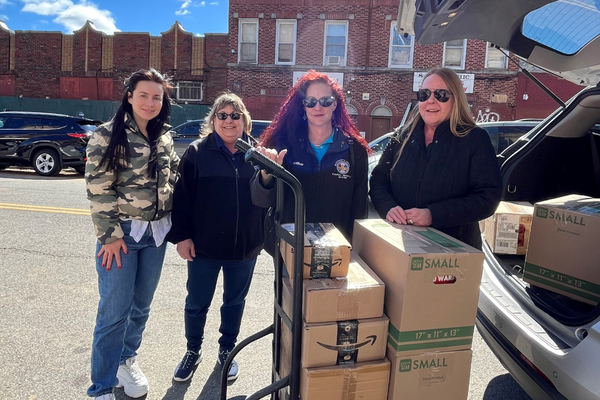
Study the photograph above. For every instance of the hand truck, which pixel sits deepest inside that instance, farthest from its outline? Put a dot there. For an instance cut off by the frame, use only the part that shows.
(283, 177)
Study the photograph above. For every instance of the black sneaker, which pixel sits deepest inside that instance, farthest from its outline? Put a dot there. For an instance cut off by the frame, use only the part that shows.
(186, 368)
(234, 370)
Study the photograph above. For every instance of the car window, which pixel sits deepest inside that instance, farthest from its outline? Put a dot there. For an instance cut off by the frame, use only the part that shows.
(379, 146)
(493, 132)
(3, 121)
(258, 128)
(507, 135)
(192, 130)
(565, 26)
(24, 123)
(53, 124)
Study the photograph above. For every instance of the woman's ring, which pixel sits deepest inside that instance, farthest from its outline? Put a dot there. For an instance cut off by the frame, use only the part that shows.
(410, 222)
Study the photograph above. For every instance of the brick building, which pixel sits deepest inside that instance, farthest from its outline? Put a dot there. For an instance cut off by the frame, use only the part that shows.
(271, 42)
(269, 45)
(90, 64)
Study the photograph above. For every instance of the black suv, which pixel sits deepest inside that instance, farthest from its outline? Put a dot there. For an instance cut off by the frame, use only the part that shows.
(46, 142)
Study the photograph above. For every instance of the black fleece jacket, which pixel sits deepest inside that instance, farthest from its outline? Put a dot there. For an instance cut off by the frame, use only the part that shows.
(456, 178)
(212, 205)
(334, 191)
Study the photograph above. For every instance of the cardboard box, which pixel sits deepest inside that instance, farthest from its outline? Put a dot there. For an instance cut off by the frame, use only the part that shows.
(326, 251)
(564, 254)
(341, 343)
(357, 296)
(508, 230)
(437, 375)
(368, 380)
(431, 283)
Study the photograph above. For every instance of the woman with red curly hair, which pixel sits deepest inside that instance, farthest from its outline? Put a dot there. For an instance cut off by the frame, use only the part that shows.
(313, 137)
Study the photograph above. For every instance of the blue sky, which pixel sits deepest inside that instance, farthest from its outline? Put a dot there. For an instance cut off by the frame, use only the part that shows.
(154, 16)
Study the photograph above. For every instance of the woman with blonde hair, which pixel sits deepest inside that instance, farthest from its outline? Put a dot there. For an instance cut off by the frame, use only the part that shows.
(440, 169)
(216, 227)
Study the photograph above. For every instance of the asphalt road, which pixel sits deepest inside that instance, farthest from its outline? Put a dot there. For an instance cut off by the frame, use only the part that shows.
(48, 300)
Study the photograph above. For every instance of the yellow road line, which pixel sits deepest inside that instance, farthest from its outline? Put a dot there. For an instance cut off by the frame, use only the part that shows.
(58, 210)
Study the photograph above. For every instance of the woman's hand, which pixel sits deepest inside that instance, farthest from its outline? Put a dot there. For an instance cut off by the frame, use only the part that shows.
(419, 217)
(186, 249)
(397, 215)
(108, 251)
(272, 155)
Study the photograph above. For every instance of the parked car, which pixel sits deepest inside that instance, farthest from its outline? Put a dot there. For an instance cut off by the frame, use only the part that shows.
(548, 342)
(46, 142)
(189, 131)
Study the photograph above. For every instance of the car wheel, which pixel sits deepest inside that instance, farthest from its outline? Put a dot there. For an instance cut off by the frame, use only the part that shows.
(46, 163)
(80, 170)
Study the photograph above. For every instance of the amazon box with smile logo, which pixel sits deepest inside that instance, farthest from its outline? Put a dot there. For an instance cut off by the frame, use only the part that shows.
(563, 254)
(326, 251)
(341, 343)
(431, 284)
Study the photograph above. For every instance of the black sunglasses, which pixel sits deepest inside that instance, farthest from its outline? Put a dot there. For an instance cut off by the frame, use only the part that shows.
(441, 95)
(223, 116)
(326, 101)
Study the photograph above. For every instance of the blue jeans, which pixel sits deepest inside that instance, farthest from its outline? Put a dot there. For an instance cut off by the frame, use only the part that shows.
(125, 297)
(201, 284)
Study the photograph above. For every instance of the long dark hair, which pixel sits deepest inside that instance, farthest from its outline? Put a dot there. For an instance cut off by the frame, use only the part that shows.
(117, 154)
(288, 125)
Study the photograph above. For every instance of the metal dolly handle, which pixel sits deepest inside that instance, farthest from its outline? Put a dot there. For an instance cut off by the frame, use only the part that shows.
(295, 323)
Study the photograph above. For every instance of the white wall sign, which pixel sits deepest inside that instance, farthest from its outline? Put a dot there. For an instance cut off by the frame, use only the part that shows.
(467, 80)
(334, 75)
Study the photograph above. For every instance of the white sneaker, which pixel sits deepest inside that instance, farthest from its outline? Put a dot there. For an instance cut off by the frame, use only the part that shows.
(132, 379)
(108, 396)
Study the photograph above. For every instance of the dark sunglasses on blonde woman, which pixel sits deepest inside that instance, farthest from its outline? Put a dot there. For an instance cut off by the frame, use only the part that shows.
(223, 116)
(441, 95)
(311, 102)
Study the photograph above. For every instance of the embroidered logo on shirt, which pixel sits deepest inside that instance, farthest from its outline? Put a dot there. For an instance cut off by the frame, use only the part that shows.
(298, 163)
(343, 166)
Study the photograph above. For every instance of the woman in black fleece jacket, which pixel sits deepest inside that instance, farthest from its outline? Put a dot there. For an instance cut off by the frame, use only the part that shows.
(440, 170)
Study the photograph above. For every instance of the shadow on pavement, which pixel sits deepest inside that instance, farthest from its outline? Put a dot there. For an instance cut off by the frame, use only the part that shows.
(504, 387)
(29, 173)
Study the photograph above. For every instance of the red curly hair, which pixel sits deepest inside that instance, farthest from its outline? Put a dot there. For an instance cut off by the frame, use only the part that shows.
(288, 124)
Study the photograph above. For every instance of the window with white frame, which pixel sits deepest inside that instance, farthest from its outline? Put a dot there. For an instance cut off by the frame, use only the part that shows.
(495, 58)
(248, 41)
(401, 49)
(188, 90)
(285, 49)
(454, 53)
(336, 43)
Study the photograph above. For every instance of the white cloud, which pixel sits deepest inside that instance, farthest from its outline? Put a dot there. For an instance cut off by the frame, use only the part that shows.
(183, 10)
(46, 7)
(5, 3)
(73, 16)
(214, 3)
(3, 17)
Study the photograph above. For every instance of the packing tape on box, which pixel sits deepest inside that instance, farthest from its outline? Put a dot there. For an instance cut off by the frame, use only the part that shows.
(323, 245)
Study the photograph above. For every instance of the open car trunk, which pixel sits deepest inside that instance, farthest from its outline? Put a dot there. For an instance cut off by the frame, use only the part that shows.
(557, 158)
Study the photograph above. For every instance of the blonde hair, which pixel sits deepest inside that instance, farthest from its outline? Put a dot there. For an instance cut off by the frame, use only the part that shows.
(224, 100)
(460, 115)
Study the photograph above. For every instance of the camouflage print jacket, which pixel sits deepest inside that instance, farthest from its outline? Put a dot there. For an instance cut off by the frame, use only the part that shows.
(131, 193)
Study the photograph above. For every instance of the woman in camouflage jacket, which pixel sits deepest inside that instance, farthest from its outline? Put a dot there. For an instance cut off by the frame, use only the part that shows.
(130, 175)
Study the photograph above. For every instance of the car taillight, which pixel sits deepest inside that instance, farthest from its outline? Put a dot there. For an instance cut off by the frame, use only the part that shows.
(77, 135)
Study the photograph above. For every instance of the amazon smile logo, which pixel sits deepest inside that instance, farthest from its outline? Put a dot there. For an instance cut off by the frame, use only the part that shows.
(349, 346)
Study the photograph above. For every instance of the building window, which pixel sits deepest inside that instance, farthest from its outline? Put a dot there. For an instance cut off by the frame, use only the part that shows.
(248, 41)
(401, 49)
(336, 42)
(454, 53)
(495, 58)
(285, 50)
(188, 90)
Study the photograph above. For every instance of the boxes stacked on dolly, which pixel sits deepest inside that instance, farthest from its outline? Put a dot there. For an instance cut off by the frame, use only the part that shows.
(563, 254)
(344, 330)
(432, 288)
